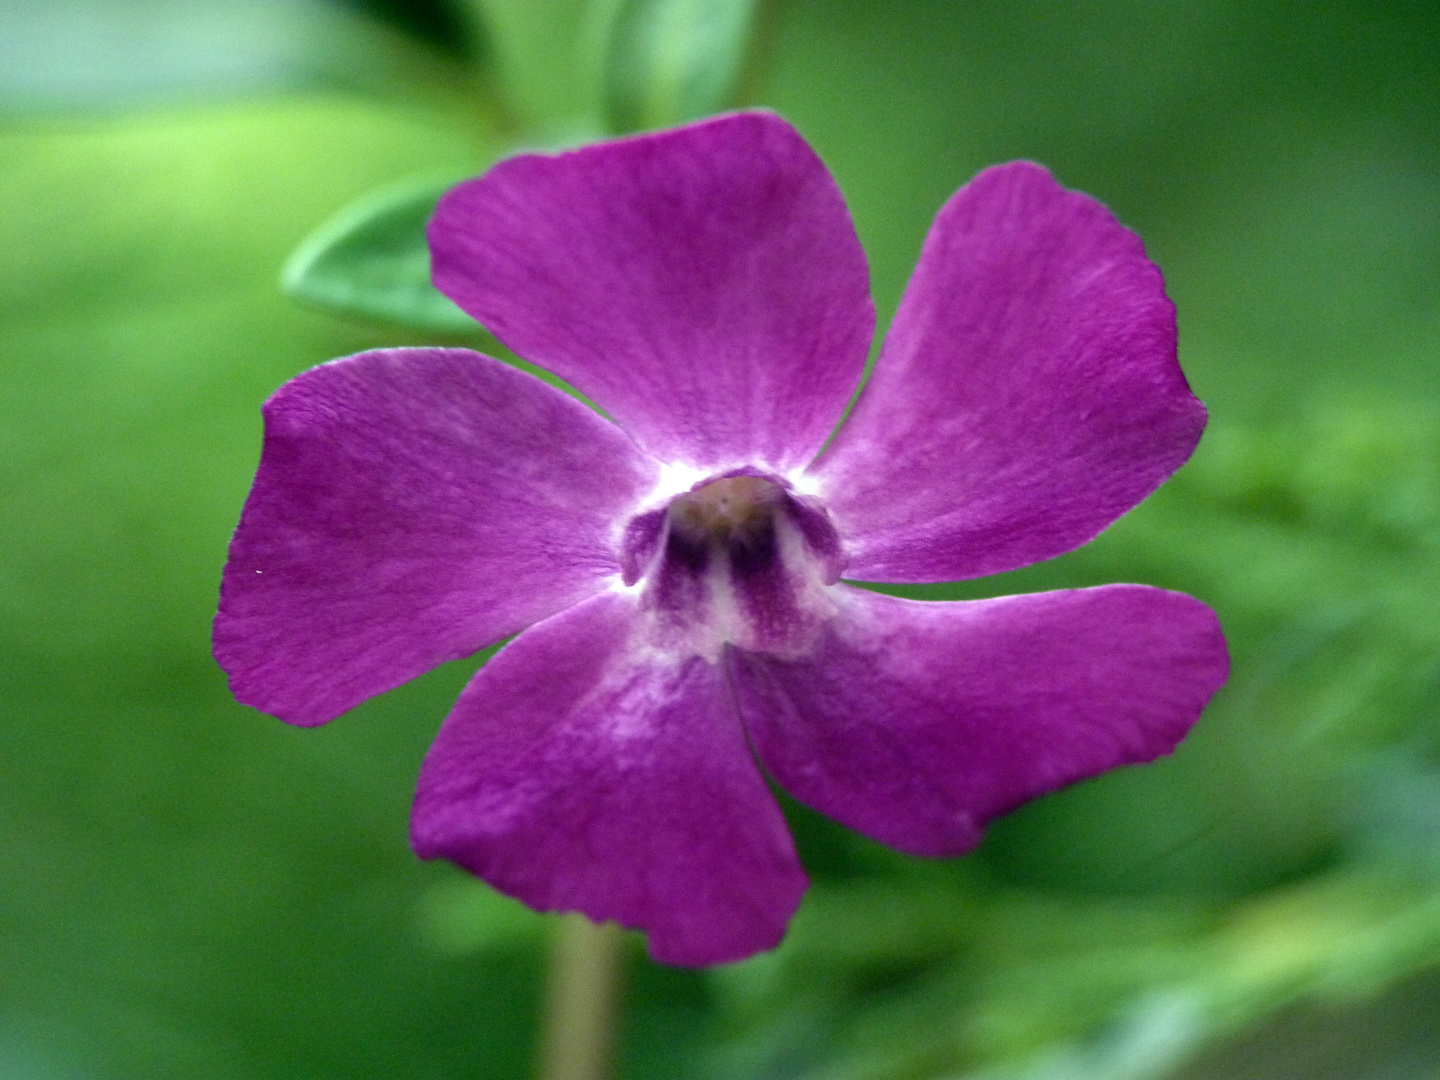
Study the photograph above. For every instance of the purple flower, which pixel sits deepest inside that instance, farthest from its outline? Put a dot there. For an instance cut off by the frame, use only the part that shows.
(673, 571)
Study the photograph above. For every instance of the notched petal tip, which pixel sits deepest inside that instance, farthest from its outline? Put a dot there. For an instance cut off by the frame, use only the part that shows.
(411, 507)
(916, 723)
(704, 285)
(583, 771)
(1028, 393)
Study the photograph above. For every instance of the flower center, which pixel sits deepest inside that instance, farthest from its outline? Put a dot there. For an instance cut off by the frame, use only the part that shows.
(735, 561)
(724, 506)
(733, 517)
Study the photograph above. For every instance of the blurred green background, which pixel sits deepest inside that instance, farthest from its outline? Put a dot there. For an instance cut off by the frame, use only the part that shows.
(191, 889)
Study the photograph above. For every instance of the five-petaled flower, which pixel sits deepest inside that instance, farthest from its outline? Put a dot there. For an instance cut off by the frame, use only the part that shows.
(673, 568)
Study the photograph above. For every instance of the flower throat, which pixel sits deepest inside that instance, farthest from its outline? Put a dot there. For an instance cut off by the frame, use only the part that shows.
(738, 561)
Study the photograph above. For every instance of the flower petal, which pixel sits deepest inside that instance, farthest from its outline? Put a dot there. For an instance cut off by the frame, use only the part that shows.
(704, 285)
(411, 507)
(1028, 393)
(582, 770)
(915, 723)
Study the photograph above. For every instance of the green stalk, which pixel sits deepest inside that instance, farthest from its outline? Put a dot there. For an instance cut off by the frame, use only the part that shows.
(586, 965)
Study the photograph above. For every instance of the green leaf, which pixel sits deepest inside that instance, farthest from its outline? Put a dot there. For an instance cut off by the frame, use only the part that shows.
(674, 60)
(371, 259)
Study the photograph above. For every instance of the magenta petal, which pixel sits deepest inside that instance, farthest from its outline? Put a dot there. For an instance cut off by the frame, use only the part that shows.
(584, 770)
(704, 286)
(1028, 393)
(916, 723)
(411, 507)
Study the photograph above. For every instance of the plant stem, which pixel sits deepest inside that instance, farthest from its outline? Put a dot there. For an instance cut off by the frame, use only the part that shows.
(585, 969)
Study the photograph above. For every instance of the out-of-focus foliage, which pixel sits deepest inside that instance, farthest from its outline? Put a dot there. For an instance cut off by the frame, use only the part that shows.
(890, 981)
(549, 61)
(107, 56)
(190, 889)
(564, 72)
(569, 68)
(673, 60)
